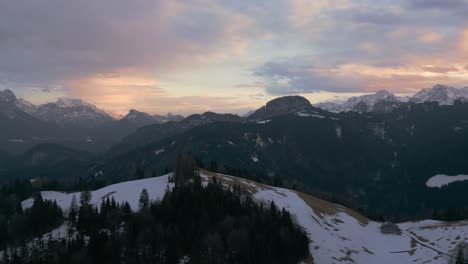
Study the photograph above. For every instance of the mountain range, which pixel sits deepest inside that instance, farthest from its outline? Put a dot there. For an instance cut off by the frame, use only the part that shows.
(384, 101)
(375, 161)
(71, 122)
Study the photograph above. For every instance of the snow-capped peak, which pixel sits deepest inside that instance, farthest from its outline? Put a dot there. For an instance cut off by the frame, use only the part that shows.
(134, 114)
(71, 102)
(26, 106)
(443, 94)
(362, 103)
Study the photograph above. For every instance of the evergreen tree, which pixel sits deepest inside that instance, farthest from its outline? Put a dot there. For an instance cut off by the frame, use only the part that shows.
(460, 257)
(143, 202)
(85, 198)
(73, 209)
(185, 169)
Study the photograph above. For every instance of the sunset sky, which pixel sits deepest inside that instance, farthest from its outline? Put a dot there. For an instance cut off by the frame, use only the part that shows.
(227, 56)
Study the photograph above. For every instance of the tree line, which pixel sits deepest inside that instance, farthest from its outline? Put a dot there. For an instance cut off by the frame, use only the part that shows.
(190, 224)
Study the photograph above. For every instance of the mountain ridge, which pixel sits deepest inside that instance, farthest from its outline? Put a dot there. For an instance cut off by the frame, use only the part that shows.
(334, 231)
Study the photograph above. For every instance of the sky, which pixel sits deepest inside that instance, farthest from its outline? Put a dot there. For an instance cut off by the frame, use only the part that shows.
(192, 56)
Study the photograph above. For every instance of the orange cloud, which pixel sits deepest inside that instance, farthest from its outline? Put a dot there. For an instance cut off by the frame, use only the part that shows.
(464, 41)
(431, 37)
(129, 89)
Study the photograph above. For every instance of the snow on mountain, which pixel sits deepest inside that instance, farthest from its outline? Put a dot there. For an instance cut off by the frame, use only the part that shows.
(72, 111)
(26, 106)
(379, 101)
(329, 106)
(121, 192)
(443, 94)
(167, 118)
(337, 234)
(441, 180)
(138, 117)
(7, 96)
(384, 101)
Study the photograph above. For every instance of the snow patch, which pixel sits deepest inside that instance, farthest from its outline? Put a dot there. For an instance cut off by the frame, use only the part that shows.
(121, 192)
(339, 132)
(159, 151)
(441, 180)
(16, 140)
(263, 122)
(254, 158)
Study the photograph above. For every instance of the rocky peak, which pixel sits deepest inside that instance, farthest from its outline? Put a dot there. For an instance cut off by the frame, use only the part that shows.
(443, 94)
(137, 115)
(7, 96)
(281, 106)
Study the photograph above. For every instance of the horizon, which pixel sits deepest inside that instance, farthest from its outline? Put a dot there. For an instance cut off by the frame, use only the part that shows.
(119, 115)
(195, 56)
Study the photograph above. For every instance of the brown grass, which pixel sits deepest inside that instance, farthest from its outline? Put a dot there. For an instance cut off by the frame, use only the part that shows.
(321, 207)
(233, 181)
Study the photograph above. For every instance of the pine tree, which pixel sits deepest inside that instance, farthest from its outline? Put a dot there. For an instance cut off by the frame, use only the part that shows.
(85, 198)
(143, 202)
(460, 257)
(73, 209)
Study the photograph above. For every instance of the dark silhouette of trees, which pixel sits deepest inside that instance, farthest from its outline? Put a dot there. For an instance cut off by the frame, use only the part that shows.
(200, 224)
(460, 257)
(185, 169)
(144, 201)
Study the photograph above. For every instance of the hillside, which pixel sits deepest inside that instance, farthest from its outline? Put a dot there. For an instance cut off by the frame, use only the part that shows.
(381, 160)
(337, 234)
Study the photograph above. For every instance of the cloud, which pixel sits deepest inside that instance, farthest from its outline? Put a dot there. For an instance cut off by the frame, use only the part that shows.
(431, 37)
(119, 53)
(290, 78)
(378, 17)
(55, 40)
(440, 69)
(438, 4)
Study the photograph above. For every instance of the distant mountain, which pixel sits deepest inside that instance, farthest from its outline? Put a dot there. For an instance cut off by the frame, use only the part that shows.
(72, 112)
(381, 101)
(281, 106)
(152, 133)
(138, 118)
(26, 106)
(167, 118)
(20, 130)
(297, 105)
(380, 160)
(442, 94)
(71, 122)
(248, 113)
(48, 160)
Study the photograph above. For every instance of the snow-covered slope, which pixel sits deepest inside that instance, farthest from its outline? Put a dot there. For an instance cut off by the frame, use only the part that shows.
(384, 101)
(379, 101)
(26, 106)
(138, 118)
(337, 234)
(72, 111)
(167, 118)
(442, 180)
(8, 97)
(443, 94)
(121, 192)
